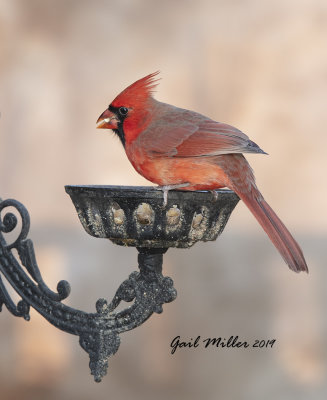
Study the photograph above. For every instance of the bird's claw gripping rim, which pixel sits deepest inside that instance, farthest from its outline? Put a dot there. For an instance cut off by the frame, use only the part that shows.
(165, 189)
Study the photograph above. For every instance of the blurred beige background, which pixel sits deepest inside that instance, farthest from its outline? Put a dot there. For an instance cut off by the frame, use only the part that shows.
(258, 65)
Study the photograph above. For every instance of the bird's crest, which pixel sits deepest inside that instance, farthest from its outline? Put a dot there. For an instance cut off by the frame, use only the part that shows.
(138, 92)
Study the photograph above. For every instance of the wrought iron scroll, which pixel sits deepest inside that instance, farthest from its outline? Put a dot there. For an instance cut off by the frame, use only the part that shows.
(98, 332)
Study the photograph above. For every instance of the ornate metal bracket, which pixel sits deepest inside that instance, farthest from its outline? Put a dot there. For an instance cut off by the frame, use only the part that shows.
(98, 332)
(123, 216)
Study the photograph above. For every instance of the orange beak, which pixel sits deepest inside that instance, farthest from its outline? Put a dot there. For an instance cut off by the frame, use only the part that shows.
(107, 120)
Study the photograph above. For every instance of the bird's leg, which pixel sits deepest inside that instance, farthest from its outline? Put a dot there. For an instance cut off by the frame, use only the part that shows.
(165, 189)
(215, 195)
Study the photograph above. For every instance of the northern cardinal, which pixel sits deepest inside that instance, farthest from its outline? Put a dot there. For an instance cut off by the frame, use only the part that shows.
(176, 148)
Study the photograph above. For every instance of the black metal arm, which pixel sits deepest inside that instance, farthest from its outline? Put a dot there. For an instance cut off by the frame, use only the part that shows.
(98, 332)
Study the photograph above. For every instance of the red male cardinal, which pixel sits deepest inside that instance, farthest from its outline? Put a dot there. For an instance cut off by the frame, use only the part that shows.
(178, 148)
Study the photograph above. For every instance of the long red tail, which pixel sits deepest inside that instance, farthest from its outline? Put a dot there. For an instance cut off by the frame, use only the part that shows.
(275, 229)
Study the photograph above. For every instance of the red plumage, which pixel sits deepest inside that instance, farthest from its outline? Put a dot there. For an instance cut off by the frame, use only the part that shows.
(172, 146)
(138, 93)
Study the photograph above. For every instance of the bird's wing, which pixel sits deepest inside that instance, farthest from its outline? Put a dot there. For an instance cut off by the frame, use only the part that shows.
(189, 134)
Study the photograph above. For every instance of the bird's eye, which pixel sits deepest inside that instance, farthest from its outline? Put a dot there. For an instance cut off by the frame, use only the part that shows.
(123, 110)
